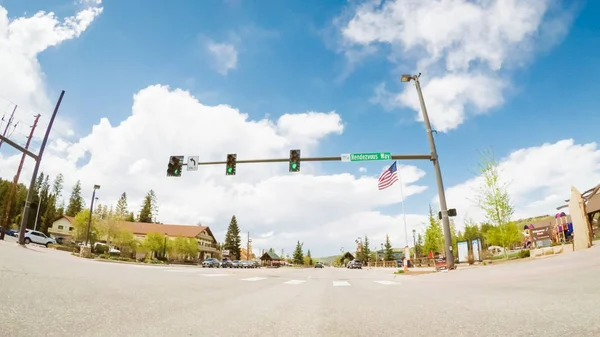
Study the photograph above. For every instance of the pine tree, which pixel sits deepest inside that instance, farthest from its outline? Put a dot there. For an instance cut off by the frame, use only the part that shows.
(419, 247)
(310, 260)
(434, 237)
(388, 252)
(153, 206)
(121, 212)
(57, 187)
(76, 202)
(50, 214)
(233, 241)
(130, 217)
(146, 211)
(366, 250)
(298, 254)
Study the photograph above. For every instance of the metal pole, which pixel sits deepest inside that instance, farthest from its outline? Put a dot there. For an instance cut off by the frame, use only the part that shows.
(440, 183)
(35, 172)
(37, 214)
(13, 187)
(402, 204)
(87, 234)
(415, 243)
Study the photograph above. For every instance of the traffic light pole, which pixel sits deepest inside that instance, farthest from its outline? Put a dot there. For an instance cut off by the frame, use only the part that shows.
(303, 159)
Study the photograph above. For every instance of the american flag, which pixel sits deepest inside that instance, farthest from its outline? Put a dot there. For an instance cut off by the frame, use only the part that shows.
(388, 177)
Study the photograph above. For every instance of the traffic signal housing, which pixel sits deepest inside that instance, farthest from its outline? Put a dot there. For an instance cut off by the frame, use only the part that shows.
(231, 163)
(174, 167)
(451, 213)
(294, 160)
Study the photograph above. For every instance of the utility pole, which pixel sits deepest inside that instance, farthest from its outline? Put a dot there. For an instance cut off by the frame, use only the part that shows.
(38, 161)
(438, 172)
(10, 119)
(5, 222)
(248, 254)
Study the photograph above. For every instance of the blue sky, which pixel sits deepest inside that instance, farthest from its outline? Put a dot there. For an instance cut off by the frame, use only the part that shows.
(289, 62)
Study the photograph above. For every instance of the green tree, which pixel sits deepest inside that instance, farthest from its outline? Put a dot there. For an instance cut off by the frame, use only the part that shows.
(155, 243)
(419, 246)
(365, 252)
(388, 252)
(146, 213)
(233, 241)
(495, 202)
(504, 236)
(125, 241)
(298, 255)
(434, 236)
(81, 224)
(271, 250)
(185, 249)
(57, 187)
(308, 259)
(49, 214)
(130, 217)
(121, 211)
(76, 202)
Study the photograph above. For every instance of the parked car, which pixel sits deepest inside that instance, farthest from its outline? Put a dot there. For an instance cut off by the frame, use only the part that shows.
(211, 263)
(37, 237)
(319, 265)
(226, 263)
(354, 264)
(236, 264)
(10, 232)
(249, 264)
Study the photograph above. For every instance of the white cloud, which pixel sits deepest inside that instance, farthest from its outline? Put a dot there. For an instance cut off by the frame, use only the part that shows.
(460, 46)
(539, 179)
(225, 56)
(362, 169)
(21, 41)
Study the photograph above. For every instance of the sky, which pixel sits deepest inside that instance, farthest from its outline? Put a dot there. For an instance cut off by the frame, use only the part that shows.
(147, 80)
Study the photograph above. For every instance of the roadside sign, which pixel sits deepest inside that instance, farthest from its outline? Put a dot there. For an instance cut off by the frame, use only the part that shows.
(541, 233)
(225, 251)
(192, 164)
(348, 157)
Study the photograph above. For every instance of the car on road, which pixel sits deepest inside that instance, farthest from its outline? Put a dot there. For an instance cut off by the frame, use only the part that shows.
(37, 237)
(226, 263)
(248, 264)
(354, 264)
(211, 263)
(236, 264)
(10, 232)
(319, 265)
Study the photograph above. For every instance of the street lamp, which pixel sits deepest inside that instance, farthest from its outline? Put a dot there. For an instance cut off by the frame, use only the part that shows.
(415, 242)
(87, 235)
(438, 172)
(382, 253)
(165, 247)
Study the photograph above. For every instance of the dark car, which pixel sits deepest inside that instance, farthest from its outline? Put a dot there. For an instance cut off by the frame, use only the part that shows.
(354, 264)
(226, 263)
(319, 265)
(211, 263)
(10, 232)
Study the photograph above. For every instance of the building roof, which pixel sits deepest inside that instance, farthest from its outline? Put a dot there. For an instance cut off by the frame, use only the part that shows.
(270, 256)
(143, 228)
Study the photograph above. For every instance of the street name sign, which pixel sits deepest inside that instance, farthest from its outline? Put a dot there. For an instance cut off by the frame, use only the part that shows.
(348, 157)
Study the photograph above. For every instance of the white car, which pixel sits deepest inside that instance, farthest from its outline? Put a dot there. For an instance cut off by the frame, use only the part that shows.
(37, 237)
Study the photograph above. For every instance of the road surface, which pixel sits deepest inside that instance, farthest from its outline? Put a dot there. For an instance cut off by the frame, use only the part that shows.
(50, 293)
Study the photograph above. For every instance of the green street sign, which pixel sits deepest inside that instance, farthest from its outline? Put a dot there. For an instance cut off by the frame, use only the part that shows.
(348, 157)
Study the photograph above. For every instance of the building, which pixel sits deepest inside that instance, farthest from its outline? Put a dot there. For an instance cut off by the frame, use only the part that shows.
(270, 259)
(207, 244)
(63, 228)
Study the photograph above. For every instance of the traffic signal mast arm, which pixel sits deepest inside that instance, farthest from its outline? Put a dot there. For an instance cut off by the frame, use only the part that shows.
(337, 158)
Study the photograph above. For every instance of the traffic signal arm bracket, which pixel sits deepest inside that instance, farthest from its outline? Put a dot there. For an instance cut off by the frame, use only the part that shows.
(338, 158)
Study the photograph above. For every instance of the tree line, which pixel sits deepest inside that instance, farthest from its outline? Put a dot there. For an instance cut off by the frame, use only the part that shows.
(47, 197)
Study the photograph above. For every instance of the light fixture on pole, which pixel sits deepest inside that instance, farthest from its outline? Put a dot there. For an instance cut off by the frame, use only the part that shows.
(382, 252)
(87, 235)
(415, 242)
(438, 172)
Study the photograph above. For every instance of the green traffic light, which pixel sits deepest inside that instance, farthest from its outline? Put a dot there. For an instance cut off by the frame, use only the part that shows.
(176, 171)
(229, 169)
(294, 166)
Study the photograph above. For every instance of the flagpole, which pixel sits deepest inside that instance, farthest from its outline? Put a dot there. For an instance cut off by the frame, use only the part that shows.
(402, 203)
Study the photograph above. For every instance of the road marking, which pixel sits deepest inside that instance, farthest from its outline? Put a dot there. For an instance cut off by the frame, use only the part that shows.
(209, 275)
(253, 279)
(341, 284)
(182, 270)
(295, 282)
(387, 283)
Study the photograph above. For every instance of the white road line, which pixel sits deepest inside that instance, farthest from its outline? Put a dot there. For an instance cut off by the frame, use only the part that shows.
(253, 279)
(182, 270)
(210, 275)
(341, 284)
(387, 283)
(295, 282)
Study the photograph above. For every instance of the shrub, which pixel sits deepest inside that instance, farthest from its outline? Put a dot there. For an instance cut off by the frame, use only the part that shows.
(101, 249)
(524, 254)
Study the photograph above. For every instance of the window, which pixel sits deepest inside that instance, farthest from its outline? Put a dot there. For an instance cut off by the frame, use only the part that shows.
(70, 229)
(60, 227)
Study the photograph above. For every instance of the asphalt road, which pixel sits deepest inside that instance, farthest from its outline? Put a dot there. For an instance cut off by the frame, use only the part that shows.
(50, 293)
